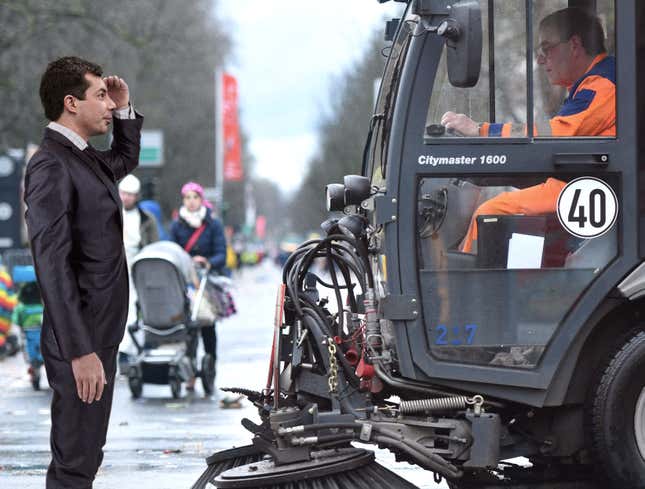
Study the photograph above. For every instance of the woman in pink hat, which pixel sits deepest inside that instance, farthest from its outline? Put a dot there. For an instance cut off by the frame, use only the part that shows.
(202, 236)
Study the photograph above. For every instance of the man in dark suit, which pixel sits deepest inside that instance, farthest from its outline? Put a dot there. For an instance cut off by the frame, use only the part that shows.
(75, 229)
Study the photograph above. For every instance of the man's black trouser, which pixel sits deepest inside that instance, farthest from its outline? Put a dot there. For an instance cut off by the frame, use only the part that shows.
(78, 429)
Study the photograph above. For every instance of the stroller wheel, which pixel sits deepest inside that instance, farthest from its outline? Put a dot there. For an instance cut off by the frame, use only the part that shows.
(175, 387)
(135, 382)
(208, 374)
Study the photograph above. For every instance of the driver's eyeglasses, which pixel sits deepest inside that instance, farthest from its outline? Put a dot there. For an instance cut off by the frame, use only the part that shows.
(544, 50)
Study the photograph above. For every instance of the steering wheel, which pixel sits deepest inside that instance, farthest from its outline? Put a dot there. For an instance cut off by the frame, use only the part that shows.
(438, 130)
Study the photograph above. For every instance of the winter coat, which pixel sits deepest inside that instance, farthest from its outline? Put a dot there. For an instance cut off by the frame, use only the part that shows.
(211, 243)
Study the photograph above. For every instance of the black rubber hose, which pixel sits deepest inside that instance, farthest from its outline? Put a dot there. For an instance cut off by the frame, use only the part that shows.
(388, 437)
(331, 286)
(318, 336)
(360, 276)
(335, 438)
(298, 264)
(327, 333)
(444, 468)
(289, 280)
(420, 387)
(309, 259)
(340, 426)
(350, 376)
(292, 281)
(361, 248)
(350, 290)
(339, 299)
(352, 252)
(289, 263)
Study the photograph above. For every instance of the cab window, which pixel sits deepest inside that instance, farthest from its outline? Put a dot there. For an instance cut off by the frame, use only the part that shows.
(504, 255)
(572, 70)
(496, 284)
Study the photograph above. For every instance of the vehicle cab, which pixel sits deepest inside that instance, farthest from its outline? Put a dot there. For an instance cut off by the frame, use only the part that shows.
(533, 308)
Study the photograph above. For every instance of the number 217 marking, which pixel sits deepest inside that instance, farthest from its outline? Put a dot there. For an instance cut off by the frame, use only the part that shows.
(456, 335)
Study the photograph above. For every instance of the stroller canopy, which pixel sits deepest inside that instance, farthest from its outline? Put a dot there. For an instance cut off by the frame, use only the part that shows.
(161, 273)
(171, 252)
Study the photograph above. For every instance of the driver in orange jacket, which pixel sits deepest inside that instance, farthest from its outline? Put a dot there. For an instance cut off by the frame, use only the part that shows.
(572, 52)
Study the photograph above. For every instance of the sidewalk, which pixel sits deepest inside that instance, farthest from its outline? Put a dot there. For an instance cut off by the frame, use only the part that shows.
(13, 375)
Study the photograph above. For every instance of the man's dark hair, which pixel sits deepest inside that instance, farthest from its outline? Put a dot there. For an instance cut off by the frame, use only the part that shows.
(574, 21)
(65, 76)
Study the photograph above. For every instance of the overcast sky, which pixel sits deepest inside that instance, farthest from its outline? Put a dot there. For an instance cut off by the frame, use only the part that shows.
(286, 55)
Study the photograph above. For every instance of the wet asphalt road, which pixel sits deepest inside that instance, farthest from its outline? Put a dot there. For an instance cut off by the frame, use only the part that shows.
(159, 442)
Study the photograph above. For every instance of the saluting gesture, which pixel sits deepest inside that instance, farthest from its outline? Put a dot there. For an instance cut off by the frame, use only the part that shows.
(118, 91)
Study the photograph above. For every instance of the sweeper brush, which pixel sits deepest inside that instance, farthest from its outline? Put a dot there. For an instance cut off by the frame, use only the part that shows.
(341, 468)
(227, 459)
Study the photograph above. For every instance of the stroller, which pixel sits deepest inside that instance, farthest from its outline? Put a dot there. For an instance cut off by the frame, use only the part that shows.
(162, 274)
(28, 315)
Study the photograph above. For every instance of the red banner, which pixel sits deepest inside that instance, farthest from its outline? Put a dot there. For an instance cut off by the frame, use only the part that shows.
(261, 227)
(233, 171)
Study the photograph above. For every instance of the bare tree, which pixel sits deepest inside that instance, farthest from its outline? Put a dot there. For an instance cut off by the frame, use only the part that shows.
(342, 131)
(167, 51)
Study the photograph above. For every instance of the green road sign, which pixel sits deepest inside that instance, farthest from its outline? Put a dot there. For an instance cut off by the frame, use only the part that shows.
(151, 148)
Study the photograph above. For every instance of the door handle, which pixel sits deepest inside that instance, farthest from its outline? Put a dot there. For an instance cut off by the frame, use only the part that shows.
(596, 160)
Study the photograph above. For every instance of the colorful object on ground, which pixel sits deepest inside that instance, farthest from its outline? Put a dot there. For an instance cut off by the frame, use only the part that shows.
(7, 303)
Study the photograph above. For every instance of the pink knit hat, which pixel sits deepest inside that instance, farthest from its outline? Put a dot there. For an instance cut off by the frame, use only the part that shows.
(192, 187)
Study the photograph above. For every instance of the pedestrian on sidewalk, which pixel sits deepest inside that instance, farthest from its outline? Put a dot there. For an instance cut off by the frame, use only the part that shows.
(28, 316)
(75, 227)
(202, 236)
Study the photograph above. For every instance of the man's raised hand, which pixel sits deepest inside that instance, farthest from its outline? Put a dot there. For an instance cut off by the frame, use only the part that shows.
(118, 91)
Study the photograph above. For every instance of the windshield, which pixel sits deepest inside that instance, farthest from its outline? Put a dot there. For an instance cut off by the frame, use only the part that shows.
(381, 122)
(570, 76)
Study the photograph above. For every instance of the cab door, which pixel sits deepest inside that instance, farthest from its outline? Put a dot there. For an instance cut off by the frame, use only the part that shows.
(504, 308)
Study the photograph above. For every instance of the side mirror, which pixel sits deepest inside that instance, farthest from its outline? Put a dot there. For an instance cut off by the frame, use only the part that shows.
(463, 33)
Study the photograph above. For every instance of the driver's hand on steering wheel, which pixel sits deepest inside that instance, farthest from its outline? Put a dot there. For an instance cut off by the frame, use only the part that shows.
(460, 123)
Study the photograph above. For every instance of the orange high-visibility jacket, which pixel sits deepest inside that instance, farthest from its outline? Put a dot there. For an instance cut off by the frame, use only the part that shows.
(589, 110)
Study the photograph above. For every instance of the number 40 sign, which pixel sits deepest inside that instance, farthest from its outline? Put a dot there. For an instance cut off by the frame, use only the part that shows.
(587, 207)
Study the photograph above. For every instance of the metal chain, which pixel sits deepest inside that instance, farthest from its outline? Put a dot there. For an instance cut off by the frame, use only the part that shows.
(333, 366)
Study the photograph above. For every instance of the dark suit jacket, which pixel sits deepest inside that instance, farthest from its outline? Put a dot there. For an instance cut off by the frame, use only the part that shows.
(75, 226)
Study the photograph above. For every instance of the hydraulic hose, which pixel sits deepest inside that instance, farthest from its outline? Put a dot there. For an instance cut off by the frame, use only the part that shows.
(303, 248)
(350, 376)
(295, 275)
(359, 247)
(300, 261)
(385, 436)
(418, 386)
(363, 259)
(352, 266)
(422, 458)
(339, 299)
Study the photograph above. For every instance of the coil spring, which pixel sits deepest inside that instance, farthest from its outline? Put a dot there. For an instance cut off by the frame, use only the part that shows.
(439, 404)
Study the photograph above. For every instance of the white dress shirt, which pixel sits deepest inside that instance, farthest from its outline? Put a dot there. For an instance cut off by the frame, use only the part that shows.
(74, 137)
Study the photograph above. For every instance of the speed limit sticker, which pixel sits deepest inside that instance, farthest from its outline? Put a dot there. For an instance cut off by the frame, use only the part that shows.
(587, 207)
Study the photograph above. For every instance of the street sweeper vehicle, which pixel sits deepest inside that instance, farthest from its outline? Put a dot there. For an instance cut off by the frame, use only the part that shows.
(485, 315)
